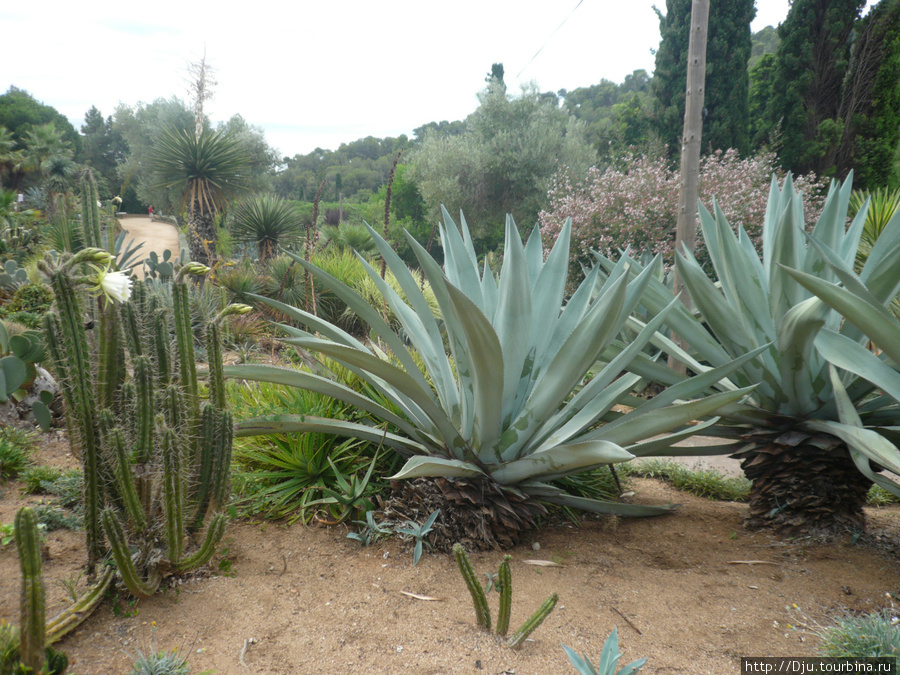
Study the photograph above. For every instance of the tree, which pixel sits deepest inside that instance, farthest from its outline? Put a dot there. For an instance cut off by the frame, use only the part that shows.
(142, 127)
(727, 118)
(870, 103)
(10, 157)
(812, 60)
(207, 170)
(502, 163)
(20, 112)
(104, 149)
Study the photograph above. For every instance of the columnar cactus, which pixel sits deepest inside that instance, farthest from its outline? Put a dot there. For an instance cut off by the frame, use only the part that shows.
(155, 459)
(32, 632)
(504, 585)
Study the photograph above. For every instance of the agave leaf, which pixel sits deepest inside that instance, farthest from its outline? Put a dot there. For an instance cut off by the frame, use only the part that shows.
(800, 363)
(369, 314)
(461, 263)
(486, 359)
(421, 465)
(400, 381)
(632, 428)
(566, 369)
(301, 379)
(319, 325)
(853, 357)
(873, 320)
(420, 325)
(601, 506)
(559, 461)
(512, 320)
(288, 423)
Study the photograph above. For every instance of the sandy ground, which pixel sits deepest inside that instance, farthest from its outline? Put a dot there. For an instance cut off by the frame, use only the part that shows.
(156, 235)
(692, 591)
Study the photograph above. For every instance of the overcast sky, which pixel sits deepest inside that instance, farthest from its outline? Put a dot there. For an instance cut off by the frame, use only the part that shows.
(317, 74)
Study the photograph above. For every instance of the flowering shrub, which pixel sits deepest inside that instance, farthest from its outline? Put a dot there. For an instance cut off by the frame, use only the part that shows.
(636, 204)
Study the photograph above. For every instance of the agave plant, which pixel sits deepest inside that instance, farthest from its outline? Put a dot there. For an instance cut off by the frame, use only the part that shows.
(804, 476)
(860, 306)
(507, 411)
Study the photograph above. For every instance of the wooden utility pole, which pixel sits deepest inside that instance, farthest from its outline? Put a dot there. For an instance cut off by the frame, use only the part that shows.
(686, 227)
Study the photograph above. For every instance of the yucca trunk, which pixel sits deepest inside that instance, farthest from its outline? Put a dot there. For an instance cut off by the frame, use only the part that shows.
(803, 485)
(202, 235)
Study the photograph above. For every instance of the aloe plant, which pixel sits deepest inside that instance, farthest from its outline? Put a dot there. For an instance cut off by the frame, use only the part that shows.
(803, 473)
(508, 407)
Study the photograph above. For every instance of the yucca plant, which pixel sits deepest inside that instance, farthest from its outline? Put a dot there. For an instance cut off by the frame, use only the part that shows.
(804, 477)
(497, 420)
(267, 222)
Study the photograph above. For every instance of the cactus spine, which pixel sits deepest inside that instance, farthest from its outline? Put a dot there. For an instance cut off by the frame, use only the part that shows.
(504, 583)
(32, 631)
(482, 612)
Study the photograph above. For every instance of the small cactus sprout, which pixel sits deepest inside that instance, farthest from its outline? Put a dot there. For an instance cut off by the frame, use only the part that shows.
(504, 585)
(533, 622)
(33, 629)
(482, 612)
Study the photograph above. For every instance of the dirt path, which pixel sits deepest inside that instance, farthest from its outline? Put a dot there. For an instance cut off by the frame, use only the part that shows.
(156, 236)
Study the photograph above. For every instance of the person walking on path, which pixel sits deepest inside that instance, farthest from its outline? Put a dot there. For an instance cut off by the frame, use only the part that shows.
(150, 211)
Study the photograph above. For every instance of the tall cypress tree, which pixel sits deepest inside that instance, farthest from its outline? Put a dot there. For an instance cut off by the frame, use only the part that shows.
(726, 124)
(805, 101)
(870, 105)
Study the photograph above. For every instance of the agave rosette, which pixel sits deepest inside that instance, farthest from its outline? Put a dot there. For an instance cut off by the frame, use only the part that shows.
(759, 301)
(510, 401)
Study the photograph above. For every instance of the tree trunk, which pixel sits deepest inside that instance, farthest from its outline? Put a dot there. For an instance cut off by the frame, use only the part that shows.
(686, 226)
(202, 236)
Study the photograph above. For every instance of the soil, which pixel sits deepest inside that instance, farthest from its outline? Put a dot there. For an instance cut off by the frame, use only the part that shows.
(692, 591)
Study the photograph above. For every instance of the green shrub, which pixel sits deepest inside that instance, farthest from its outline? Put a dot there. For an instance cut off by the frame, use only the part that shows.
(868, 635)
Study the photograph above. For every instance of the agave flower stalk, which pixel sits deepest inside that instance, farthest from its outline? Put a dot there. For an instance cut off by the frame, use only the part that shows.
(506, 405)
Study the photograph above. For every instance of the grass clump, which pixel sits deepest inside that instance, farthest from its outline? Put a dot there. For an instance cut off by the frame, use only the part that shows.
(703, 483)
(867, 635)
(16, 447)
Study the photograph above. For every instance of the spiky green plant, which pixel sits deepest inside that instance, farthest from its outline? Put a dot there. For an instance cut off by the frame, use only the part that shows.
(209, 170)
(504, 583)
(267, 222)
(26, 650)
(155, 458)
(804, 476)
(508, 410)
(609, 659)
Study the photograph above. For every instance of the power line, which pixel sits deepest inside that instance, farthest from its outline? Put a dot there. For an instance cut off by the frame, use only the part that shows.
(549, 38)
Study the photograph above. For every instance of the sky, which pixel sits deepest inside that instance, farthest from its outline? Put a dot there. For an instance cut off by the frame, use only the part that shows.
(318, 74)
